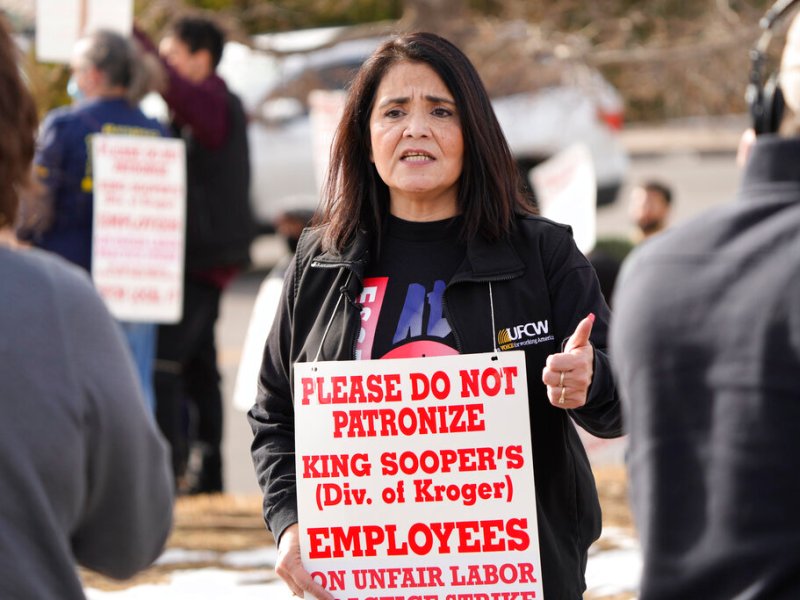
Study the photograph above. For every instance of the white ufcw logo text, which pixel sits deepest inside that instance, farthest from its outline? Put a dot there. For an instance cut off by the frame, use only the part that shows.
(512, 334)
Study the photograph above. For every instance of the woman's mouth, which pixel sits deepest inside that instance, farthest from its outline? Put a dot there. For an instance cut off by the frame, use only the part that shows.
(416, 156)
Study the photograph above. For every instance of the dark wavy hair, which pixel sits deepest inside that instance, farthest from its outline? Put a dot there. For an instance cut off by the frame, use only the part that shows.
(200, 33)
(490, 189)
(653, 185)
(18, 121)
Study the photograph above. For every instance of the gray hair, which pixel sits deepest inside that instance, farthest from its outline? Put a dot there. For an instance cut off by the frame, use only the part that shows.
(122, 62)
(111, 54)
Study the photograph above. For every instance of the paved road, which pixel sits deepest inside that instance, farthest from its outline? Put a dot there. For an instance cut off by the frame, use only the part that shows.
(700, 180)
(231, 329)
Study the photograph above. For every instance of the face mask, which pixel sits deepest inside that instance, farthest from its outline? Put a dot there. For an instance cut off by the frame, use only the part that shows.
(73, 90)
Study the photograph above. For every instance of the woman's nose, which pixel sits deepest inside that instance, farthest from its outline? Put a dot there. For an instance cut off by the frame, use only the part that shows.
(417, 124)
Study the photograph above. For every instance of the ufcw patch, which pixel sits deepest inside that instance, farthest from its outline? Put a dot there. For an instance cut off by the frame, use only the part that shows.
(527, 334)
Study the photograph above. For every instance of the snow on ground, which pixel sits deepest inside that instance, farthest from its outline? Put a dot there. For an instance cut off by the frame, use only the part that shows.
(616, 571)
(243, 559)
(609, 572)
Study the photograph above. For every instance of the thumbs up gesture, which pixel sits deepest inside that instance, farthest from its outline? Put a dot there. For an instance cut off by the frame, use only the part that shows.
(568, 374)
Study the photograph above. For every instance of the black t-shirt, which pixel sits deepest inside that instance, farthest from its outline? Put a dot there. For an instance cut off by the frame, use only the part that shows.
(403, 314)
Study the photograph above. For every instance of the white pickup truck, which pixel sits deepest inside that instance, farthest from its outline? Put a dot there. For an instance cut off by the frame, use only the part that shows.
(275, 75)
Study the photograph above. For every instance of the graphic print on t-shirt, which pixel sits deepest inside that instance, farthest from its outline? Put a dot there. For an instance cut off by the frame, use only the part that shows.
(421, 328)
(371, 300)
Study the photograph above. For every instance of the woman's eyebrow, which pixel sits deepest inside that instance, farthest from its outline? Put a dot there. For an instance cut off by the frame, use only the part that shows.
(388, 101)
(405, 100)
(439, 99)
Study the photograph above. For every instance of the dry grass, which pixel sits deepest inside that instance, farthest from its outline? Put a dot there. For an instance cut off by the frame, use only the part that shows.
(612, 486)
(220, 523)
(217, 523)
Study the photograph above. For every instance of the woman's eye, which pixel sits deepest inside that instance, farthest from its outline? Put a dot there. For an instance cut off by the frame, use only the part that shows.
(442, 112)
(394, 113)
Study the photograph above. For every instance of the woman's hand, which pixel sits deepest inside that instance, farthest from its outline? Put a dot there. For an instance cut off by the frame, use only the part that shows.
(289, 566)
(568, 374)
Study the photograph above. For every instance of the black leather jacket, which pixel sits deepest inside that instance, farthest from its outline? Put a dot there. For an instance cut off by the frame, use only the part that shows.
(536, 275)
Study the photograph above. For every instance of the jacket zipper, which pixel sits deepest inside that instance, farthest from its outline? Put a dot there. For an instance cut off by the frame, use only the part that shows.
(349, 266)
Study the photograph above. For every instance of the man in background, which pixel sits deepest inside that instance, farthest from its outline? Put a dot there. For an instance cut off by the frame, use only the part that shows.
(648, 208)
(106, 71)
(707, 357)
(212, 122)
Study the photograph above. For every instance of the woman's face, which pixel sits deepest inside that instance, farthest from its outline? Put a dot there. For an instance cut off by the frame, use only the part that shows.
(417, 146)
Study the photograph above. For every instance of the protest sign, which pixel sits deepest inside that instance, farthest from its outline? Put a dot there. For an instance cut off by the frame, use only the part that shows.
(261, 318)
(60, 23)
(138, 230)
(415, 478)
(325, 112)
(566, 191)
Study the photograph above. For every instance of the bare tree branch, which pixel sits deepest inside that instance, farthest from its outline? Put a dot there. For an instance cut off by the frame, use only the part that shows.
(741, 38)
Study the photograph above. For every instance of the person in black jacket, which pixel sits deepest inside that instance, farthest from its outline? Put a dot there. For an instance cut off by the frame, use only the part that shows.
(707, 358)
(423, 200)
(219, 229)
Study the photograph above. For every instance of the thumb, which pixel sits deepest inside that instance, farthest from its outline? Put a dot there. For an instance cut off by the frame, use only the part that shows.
(580, 336)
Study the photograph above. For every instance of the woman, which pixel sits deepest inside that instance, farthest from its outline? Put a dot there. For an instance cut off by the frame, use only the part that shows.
(423, 202)
(85, 472)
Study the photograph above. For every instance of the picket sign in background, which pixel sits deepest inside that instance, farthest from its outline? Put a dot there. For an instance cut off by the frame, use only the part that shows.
(566, 190)
(60, 23)
(139, 225)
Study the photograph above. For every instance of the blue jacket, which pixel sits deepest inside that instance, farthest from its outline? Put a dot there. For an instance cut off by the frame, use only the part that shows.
(63, 164)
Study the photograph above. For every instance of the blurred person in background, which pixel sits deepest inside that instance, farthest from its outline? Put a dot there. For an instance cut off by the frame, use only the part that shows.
(106, 75)
(220, 228)
(707, 358)
(423, 197)
(649, 207)
(84, 470)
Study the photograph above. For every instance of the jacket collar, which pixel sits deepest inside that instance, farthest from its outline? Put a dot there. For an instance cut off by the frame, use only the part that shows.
(355, 255)
(773, 159)
(485, 261)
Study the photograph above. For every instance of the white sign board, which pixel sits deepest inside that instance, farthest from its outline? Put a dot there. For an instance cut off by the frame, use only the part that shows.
(264, 310)
(60, 23)
(415, 476)
(138, 230)
(325, 112)
(566, 190)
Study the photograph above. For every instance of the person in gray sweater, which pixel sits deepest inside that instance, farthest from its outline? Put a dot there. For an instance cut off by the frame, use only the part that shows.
(85, 475)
